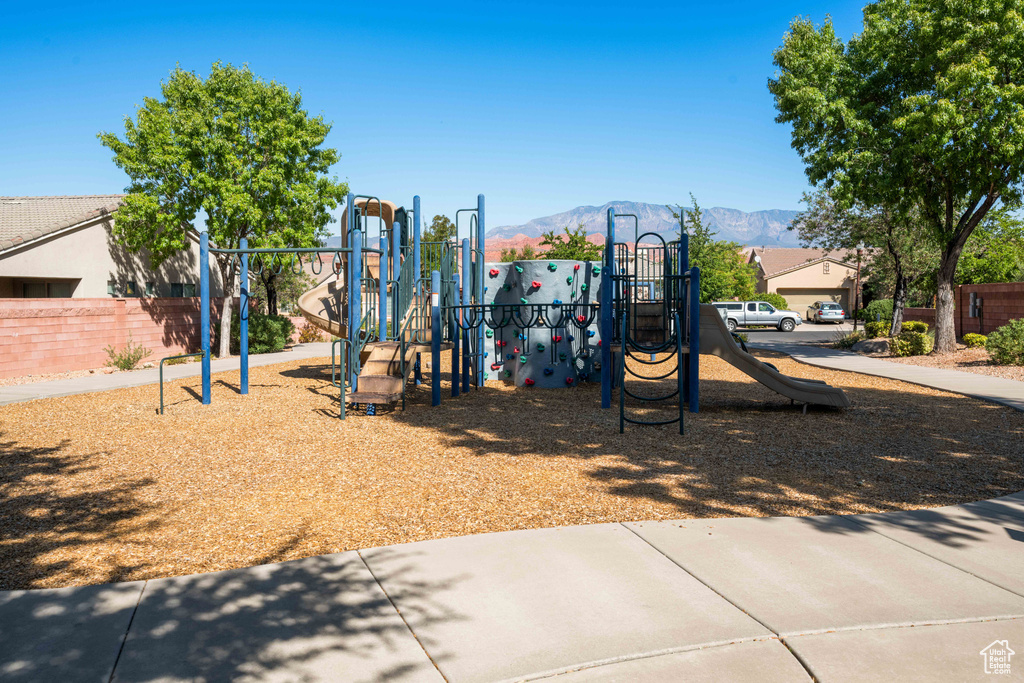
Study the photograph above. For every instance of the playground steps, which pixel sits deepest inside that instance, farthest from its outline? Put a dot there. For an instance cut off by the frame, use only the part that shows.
(650, 323)
(381, 379)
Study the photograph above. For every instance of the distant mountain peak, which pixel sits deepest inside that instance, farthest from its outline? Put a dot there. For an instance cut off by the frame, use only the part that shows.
(756, 228)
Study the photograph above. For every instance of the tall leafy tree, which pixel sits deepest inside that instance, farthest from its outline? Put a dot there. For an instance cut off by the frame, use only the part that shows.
(573, 246)
(441, 229)
(995, 253)
(902, 255)
(922, 109)
(724, 274)
(238, 148)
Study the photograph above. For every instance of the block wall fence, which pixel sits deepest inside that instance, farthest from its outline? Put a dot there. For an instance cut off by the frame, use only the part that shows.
(39, 336)
(1001, 303)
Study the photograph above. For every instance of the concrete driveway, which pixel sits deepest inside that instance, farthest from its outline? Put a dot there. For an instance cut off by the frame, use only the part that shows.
(808, 333)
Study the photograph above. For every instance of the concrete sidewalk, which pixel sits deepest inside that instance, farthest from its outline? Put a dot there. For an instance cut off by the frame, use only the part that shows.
(899, 596)
(996, 389)
(120, 380)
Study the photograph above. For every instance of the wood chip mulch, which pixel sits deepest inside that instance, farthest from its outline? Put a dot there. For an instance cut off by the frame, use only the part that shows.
(965, 360)
(98, 487)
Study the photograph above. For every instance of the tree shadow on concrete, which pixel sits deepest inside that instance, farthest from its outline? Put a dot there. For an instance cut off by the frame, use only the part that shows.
(45, 522)
(315, 618)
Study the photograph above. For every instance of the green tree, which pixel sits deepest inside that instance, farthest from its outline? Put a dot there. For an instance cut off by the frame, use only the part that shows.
(901, 258)
(527, 253)
(573, 246)
(275, 292)
(441, 232)
(921, 110)
(995, 253)
(238, 148)
(724, 273)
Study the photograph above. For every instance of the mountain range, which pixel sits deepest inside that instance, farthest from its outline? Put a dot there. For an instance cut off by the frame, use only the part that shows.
(756, 228)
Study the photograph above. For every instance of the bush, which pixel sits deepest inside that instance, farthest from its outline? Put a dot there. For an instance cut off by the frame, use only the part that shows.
(879, 309)
(776, 300)
(973, 340)
(128, 357)
(914, 326)
(911, 343)
(878, 329)
(310, 333)
(1006, 345)
(843, 340)
(267, 333)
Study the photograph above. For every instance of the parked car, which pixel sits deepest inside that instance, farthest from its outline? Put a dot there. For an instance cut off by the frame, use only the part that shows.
(825, 311)
(749, 313)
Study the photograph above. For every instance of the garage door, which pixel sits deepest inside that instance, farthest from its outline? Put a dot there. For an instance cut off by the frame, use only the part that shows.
(800, 299)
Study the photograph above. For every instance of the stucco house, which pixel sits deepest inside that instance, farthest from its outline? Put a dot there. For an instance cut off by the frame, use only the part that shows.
(804, 276)
(63, 247)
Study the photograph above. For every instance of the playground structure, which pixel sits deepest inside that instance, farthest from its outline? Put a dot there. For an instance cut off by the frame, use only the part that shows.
(538, 324)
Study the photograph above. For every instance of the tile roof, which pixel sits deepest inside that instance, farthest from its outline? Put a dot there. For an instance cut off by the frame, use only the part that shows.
(777, 260)
(23, 219)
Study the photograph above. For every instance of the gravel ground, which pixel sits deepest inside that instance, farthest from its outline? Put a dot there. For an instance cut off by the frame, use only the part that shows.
(97, 487)
(966, 360)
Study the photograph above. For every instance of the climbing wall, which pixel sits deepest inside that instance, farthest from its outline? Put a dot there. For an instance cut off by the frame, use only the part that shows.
(539, 356)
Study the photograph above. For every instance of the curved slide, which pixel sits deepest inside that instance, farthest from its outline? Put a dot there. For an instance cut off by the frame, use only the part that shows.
(325, 306)
(715, 339)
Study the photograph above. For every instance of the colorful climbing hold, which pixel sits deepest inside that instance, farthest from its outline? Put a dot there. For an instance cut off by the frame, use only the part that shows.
(596, 270)
(590, 333)
(568, 280)
(535, 284)
(598, 342)
(557, 338)
(495, 366)
(553, 266)
(584, 376)
(581, 319)
(509, 356)
(576, 267)
(583, 287)
(571, 338)
(515, 349)
(561, 356)
(519, 269)
(549, 371)
(507, 373)
(568, 380)
(557, 302)
(494, 272)
(489, 333)
(540, 347)
(528, 382)
(522, 359)
(506, 286)
(521, 336)
(522, 299)
(502, 343)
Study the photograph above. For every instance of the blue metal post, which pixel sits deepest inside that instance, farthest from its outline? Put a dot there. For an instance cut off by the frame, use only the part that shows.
(480, 241)
(455, 344)
(396, 272)
(467, 296)
(382, 289)
(416, 246)
(693, 369)
(435, 338)
(243, 320)
(681, 296)
(204, 310)
(606, 312)
(355, 286)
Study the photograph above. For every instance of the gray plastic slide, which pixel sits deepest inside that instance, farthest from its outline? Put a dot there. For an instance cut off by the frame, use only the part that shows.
(715, 339)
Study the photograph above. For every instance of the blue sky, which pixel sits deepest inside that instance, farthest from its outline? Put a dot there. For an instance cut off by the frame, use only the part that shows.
(540, 107)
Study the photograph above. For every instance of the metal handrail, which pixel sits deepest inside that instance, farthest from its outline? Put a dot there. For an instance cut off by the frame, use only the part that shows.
(184, 355)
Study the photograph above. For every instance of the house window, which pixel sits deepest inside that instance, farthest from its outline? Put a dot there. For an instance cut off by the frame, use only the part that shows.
(177, 289)
(150, 288)
(824, 267)
(188, 289)
(131, 288)
(111, 288)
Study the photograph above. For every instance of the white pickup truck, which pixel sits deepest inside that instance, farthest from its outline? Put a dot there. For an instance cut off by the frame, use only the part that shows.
(751, 313)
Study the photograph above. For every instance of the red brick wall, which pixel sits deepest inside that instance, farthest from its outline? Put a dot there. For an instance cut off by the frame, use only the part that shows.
(1001, 302)
(40, 336)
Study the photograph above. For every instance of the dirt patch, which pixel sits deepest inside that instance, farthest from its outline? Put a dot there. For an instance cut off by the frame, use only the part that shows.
(966, 360)
(98, 487)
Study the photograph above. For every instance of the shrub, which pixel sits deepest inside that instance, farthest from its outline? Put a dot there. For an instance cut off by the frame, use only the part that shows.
(915, 326)
(267, 333)
(128, 357)
(776, 300)
(843, 340)
(972, 340)
(878, 329)
(310, 333)
(1006, 345)
(911, 343)
(879, 309)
